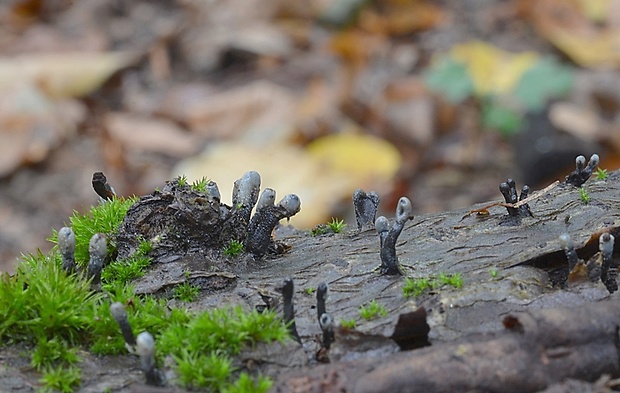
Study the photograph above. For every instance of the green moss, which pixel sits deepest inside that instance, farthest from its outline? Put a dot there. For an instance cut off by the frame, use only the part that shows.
(104, 218)
(348, 323)
(61, 379)
(186, 292)
(336, 225)
(601, 174)
(417, 286)
(234, 248)
(200, 185)
(373, 310)
(585, 197)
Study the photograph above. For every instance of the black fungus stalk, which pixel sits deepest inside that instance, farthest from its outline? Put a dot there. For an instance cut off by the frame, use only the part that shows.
(145, 348)
(321, 297)
(608, 274)
(289, 309)
(265, 220)
(120, 316)
(582, 172)
(66, 244)
(569, 250)
(97, 250)
(365, 205)
(509, 191)
(102, 187)
(245, 195)
(382, 225)
(389, 260)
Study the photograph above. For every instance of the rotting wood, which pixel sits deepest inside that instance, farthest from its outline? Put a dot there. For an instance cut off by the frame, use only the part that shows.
(535, 350)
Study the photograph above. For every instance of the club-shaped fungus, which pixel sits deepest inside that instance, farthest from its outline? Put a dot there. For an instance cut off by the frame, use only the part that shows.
(326, 322)
(119, 314)
(288, 289)
(145, 348)
(582, 172)
(365, 205)
(97, 250)
(389, 260)
(66, 244)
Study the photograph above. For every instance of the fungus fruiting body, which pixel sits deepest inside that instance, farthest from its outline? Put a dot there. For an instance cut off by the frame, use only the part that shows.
(120, 316)
(582, 171)
(366, 205)
(389, 260)
(321, 297)
(288, 289)
(102, 187)
(265, 220)
(66, 244)
(145, 348)
(97, 250)
(569, 250)
(509, 191)
(326, 322)
(608, 274)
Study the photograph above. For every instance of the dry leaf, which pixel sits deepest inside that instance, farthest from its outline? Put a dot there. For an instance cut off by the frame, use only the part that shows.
(71, 74)
(155, 135)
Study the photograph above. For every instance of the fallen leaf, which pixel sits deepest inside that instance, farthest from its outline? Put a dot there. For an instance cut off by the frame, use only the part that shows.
(149, 134)
(492, 70)
(72, 74)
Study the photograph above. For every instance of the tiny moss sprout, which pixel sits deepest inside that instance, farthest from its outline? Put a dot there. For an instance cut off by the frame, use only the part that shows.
(186, 292)
(585, 197)
(234, 248)
(336, 225)
(310, 291)
(372, 310)
(182, 180)
(318, 230)
(601, 174)
(348, 323)
(493, 272)
(415, 287)
(200, 185)
(61, 379)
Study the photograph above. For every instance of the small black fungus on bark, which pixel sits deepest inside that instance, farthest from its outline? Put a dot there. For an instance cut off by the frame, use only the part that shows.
(265, 220)
(119, 314)
(66, 244)
(389, 260)
(321, 297)
(609, 273)
(288, 289)
(97, 250)
(366, 205)
(509, 191)
(569, 250)
(102, 187)
(326, 322)
(145, 348)
(582, 171)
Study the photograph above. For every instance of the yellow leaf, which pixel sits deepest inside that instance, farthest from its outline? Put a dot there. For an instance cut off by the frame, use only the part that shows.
(362, 157)
(493, 71)
(596, 10)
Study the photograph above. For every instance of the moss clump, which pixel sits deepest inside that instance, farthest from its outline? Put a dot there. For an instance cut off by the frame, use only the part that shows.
(417, 286)
(373, 310)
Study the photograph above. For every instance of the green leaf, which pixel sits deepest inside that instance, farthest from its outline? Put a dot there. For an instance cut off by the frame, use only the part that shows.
(451, 79)
(500, 118)
(545, 80)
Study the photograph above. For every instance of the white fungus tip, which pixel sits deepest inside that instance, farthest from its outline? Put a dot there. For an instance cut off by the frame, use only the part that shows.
(404, 210)
(291, 203)
(267, 198)
(606, 243)
(580, 162)
(98, 246)
(566, 241)
(326, 321)
(213, 190)
(594, 160)
(117, 309)
(145, 344)
(66, 239)
(382, 224)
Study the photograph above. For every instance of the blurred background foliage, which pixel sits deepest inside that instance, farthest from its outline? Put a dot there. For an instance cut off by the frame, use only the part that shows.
(436, 100)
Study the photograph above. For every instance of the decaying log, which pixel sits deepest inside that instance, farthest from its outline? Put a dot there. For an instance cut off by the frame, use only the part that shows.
(535, 350)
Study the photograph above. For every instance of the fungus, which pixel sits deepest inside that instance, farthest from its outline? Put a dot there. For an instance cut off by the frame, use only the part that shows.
(389, 260)
(509, 191)
(245, 195)
(288, 307)
(265, 220)
(102, 187)
(321, 297)
(66, 244)
(97, 250)
(326, 322)
(365, 205)
(267, 199)
(382, 225)
(213, 191)
(608, 274)
(581, 174)
(145, 348)
(569, 250)
(120, 316)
